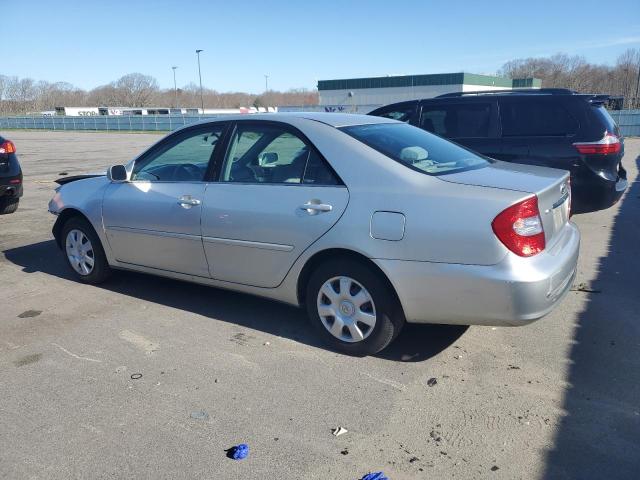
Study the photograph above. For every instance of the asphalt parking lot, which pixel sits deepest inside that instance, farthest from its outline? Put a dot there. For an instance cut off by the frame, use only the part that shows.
(559, 399)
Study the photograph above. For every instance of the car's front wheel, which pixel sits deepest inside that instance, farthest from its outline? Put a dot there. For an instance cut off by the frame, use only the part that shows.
(84, 252)
(352, 307)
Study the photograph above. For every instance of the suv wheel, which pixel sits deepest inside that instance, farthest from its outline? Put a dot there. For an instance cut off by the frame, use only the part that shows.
(84, 252)
(8, 205)
(352, 307)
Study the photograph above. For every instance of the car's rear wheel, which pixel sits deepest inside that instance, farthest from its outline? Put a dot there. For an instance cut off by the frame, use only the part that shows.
(352, 307)
(8, 205)
(84, 252)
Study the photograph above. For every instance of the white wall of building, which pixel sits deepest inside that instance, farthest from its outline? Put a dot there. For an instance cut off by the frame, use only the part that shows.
(385, 96)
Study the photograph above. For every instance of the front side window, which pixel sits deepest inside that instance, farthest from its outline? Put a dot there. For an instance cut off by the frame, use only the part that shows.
(472, 120)
(182, 160)
(416, 148)
(272, 154)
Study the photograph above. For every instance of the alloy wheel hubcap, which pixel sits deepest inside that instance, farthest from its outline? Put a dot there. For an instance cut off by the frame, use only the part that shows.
(80, 252)
(346, 309)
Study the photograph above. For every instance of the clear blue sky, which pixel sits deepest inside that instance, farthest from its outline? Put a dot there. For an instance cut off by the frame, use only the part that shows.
(90, 43)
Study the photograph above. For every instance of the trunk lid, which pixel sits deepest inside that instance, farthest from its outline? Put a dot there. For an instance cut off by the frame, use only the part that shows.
(550, 185)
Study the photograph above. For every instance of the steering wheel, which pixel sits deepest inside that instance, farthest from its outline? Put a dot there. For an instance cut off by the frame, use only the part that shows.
(187, 171)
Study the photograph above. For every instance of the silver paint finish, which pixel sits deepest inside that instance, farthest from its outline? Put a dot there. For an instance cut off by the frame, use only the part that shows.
(266, 226)
(447, 268)
(387, 226)
(156, 224)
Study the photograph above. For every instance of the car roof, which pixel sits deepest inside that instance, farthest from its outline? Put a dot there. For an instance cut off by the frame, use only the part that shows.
(332, 119)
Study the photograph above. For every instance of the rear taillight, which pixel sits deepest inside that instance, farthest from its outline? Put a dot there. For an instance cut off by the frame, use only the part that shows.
(608, 145)
(7, 147)
(519, 227)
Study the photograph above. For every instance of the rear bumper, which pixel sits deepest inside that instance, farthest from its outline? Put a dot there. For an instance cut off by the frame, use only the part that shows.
(515, 291)
(597, 193)
(8, 187)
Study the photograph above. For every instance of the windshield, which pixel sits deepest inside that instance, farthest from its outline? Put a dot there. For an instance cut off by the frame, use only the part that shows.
(416, 148)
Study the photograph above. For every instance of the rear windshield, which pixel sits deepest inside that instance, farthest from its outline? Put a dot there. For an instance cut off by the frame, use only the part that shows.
(416, 148)
(606, 119)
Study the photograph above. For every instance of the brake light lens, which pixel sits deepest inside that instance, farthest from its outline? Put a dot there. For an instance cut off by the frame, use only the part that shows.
(7, 147)
(608, 145)
(520, 229)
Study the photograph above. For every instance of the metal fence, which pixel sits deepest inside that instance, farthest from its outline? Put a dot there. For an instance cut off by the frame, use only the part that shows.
(116, 123)
(628, 120)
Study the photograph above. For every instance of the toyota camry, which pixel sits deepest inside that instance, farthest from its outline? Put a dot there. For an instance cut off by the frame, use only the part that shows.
(366, 222)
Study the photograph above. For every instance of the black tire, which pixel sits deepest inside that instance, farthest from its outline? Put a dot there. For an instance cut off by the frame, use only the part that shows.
(8, 205)
(101, 270)
(389, 317)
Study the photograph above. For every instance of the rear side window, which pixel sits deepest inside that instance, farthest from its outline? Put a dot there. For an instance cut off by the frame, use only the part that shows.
(416, 148)
(470, 120)
(536, 118)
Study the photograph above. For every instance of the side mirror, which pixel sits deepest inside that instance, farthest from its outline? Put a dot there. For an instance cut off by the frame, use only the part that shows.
(117, 173)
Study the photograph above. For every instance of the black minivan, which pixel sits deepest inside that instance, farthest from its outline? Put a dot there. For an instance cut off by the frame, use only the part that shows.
(556, 128)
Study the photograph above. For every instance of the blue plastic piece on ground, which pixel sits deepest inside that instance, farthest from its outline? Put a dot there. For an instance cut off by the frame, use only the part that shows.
(374, 476)
(240, 451)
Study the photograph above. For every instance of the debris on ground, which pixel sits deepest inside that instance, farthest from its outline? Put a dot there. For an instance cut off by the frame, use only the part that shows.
(136, 376)
(494, 468)
(432, 381)
(414, 459)
(584, 287)
(345, 452)
(30, 314)
(513, 367)
(267, 343)
(239, 452)
(63, 173)
(338, 431)
(201, 415)
(375, 476)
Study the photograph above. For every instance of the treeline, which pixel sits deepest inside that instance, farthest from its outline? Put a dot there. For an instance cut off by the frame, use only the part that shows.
(574, 72)
(25, 95)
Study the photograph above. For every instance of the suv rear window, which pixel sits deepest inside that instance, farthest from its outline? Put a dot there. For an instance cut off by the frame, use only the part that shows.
(415, 148)
(608, 122)
(536, 119)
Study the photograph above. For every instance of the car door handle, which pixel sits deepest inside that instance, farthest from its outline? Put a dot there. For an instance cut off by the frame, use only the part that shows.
(314, 208)
(186, 201)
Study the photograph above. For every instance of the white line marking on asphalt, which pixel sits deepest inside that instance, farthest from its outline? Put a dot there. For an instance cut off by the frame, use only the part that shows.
(74, 355)
(391, 383)
(144, 344)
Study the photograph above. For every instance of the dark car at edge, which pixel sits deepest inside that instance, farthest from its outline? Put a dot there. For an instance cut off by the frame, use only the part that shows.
(556, 128)
(10, 177)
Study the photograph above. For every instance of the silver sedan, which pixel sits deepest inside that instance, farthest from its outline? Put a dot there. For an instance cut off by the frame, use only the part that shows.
(366, 222)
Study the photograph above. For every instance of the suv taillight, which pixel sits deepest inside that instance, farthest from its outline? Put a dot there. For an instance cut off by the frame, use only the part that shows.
(519, 227)
(608, 145)
(7, 147)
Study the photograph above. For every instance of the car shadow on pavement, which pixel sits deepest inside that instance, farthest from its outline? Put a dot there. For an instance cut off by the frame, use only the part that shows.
(599, 436)
(416, 343)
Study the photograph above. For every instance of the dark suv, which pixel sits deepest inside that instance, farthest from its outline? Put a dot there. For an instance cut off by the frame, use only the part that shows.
(10, 177)
(550, 127)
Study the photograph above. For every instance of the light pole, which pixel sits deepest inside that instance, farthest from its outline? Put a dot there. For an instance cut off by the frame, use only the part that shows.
(200, 75)
(266, 83)
(175, 87)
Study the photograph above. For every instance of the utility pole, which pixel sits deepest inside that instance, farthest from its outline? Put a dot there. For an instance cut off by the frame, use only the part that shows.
(266, 83)
(638, 86)
(175, 88)
(200, 76)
